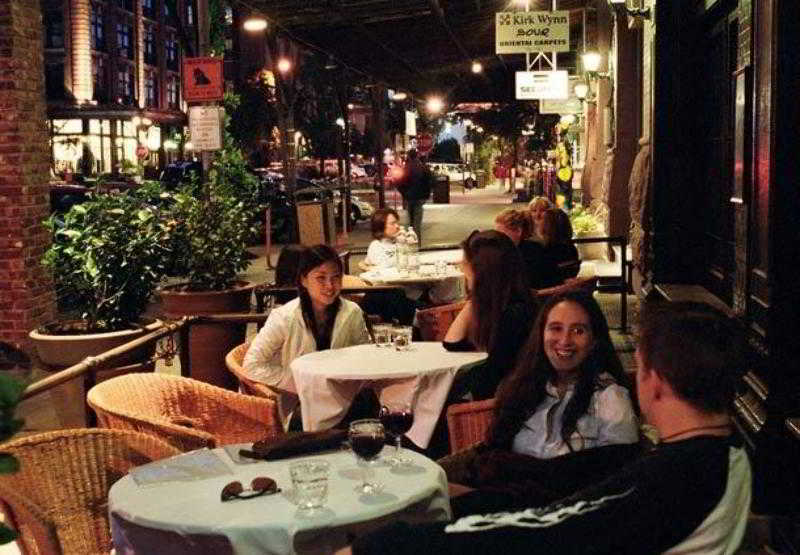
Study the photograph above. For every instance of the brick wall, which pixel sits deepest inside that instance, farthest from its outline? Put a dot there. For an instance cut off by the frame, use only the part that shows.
(26, 291)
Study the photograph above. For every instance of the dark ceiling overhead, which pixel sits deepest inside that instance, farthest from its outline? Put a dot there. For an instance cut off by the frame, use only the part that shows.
(423, 46)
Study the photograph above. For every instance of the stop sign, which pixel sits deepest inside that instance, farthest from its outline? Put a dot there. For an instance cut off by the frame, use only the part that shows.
(142, 152)
(424, 142)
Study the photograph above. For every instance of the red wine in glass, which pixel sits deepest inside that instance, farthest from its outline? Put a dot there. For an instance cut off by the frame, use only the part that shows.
(397, 418)
(366, 446)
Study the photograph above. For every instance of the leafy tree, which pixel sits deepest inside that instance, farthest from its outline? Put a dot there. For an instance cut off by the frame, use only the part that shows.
(447, 150)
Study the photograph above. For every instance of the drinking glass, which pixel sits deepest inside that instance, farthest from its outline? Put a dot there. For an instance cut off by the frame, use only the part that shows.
(310, 481)
(401, 336)
(397, 419)
(366, 439)
(383, 334)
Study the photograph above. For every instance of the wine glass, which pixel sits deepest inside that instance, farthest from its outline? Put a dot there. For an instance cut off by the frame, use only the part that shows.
(397, 419)
(366, 439)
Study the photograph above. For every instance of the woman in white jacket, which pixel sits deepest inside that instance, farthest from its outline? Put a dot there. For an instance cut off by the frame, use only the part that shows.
(318, 319)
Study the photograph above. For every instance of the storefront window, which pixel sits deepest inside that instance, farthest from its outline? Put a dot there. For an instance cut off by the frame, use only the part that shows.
(125, 85)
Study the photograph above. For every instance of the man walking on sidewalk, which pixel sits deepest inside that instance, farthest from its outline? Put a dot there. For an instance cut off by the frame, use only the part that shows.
(415, 188)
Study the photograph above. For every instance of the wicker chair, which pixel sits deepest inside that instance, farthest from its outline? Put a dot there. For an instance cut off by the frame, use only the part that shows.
(587, 285)
(468, 423)
(434, 322)
(234, 361)
(186, 413)
(58, 500)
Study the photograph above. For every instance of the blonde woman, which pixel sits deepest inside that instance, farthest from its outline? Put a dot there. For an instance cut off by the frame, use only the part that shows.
(537, 207)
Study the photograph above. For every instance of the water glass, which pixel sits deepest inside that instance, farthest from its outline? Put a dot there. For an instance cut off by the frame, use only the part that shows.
(383, 334)
(310, 481)
(401, 336)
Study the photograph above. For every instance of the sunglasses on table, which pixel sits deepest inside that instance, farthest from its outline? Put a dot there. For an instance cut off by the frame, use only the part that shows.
(260, 485)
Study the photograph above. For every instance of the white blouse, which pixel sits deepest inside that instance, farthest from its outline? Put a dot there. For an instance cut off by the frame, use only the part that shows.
(609, 420)
(382, 253)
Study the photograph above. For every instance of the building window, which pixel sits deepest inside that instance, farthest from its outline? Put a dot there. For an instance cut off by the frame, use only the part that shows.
(99, 79)
(126, 5)
(125, 85)
(151, 89)
(97, 32)
(172, 52)
(166, 10)
(189, 12)
(149, 8)
(173, 92)
(54, 81)
(125, 39)
(150, 45)
(54, 29)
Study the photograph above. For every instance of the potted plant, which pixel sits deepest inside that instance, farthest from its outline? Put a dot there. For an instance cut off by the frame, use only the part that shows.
(585, 223)
(209, 239)
(107, 257)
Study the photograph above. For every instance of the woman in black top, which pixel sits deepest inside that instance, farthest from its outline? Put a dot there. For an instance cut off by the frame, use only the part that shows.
(559, 251)
(500, 311)
(517, 226)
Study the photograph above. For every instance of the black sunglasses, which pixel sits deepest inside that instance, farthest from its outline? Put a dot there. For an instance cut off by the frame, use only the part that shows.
(260, 485)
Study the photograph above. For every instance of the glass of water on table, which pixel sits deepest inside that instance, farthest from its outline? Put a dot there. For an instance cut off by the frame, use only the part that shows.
(382, 334)
(401, 337)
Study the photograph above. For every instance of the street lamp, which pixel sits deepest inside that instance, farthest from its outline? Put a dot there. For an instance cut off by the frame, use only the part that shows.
(255, 23)
(284, 65)
(477, 67)
(434, 104)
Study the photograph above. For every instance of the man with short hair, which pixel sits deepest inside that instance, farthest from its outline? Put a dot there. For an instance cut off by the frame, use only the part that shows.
(691, 494)
(415, 188)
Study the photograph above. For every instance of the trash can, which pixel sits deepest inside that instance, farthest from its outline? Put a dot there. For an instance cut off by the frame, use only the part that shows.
(441, 189)
(481, 178)
(316, 220)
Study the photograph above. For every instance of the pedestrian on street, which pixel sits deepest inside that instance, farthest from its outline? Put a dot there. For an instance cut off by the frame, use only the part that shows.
(415, 186)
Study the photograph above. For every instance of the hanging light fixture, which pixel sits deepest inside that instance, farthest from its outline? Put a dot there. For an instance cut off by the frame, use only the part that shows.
(399, 95)
(255, 23)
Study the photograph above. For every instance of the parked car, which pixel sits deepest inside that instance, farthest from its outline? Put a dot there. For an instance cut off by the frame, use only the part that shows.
(456, 171)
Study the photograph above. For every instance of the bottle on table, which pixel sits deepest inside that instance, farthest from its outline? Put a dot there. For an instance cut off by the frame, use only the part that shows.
(412, 245)
(402, 251)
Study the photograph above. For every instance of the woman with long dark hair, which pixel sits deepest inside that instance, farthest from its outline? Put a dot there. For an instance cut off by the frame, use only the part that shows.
(559, 251)
(497, 316)
(562, 420)
(318, 319)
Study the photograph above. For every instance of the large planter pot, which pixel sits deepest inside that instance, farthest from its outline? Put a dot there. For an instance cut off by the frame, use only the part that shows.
(59, 351)
(592, 251)
(209, 343)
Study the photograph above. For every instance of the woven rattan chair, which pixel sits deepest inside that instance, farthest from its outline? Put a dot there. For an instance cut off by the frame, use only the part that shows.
(58, 500)
(186, 413)
(234, 361)
(434, 322)
(468, 423)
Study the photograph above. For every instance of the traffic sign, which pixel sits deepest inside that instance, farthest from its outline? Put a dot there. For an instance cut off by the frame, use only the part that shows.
(205, 127)
(202, 79)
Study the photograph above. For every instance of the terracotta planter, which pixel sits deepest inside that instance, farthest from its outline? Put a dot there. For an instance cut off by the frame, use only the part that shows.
(62, 351)
(209, 343)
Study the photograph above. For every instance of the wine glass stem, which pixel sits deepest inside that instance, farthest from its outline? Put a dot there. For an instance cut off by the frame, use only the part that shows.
(364, 476)
(397, 442)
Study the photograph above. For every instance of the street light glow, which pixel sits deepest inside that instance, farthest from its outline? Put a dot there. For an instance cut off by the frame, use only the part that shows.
(284, 65)
(581, 90)
(477, 67)
(591, 61)
(255, 24)
(435, 105)
(340, 122)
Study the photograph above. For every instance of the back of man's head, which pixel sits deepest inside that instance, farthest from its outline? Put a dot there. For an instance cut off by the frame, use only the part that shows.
(696, 349)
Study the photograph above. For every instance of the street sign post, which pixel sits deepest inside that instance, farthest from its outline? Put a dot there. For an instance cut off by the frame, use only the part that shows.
(202, 79)
(205, 127)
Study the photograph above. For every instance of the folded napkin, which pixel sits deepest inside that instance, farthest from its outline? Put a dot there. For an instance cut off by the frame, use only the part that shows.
(294, 444)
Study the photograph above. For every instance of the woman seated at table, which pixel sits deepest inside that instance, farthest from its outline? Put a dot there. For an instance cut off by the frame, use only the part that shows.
(536, 209)
(516, 225)
(559, 250)
(562, 419)
(382, 253)
(318, 319)
(498, 315)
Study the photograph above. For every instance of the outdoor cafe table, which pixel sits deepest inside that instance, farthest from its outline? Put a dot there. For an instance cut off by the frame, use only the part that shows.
(327, 381)
(188, 517)
(426, 275)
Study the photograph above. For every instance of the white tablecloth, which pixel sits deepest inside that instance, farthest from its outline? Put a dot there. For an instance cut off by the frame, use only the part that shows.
(272, 524)
(327, 382)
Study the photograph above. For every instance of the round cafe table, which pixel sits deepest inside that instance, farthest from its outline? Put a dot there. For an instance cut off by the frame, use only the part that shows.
(327, 381)
(167, 514)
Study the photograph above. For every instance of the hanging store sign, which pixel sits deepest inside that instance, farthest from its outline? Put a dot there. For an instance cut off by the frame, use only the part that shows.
(569, 105)
(411, 123)
(202, 79)
(523, 32)
(205, 127)
(535, 85)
